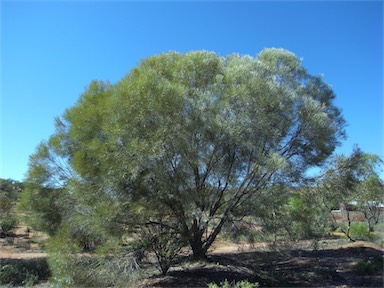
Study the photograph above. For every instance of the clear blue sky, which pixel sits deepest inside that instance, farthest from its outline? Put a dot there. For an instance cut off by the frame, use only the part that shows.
(50, 51)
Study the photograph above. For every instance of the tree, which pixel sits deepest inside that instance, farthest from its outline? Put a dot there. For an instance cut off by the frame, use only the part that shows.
(43, 195)
(11, 187)
(9, 194)
(353, 180)
(190, 139)
(371, 192)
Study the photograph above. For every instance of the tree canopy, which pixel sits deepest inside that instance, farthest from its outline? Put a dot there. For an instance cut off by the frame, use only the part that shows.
(183, 142)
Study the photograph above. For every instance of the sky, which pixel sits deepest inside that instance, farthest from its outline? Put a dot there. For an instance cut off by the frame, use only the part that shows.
(51, 51)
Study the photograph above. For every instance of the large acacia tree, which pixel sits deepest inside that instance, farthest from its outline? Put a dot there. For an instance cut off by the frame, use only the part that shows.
(184, 141)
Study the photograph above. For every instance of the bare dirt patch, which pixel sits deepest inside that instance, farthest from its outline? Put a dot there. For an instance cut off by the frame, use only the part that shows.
(22, 245)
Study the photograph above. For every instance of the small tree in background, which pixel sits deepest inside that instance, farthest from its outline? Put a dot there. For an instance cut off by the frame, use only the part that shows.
(9, 194)
(353, 180)
(370, 191)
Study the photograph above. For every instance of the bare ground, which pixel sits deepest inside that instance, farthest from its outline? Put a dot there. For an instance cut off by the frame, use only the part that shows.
(22, 245)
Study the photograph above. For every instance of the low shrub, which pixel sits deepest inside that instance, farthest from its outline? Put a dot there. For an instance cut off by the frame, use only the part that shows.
(233, 284)
(164, 243)
(360, 231)
(110, 267)
(95, 271)
(6, 204)
(7, 224)
(369, 266)
(26, 272)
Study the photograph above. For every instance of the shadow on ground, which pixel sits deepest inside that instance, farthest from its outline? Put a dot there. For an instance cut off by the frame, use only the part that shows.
(344, 267)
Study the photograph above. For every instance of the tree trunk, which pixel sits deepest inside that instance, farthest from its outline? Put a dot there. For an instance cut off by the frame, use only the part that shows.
(371, 226)
(199, 252)
(197, 245)
(349, 228)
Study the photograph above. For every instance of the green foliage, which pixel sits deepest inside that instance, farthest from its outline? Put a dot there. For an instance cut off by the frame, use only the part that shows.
(307, 216)
(194, 137)
(288, 214)
(45, 207)
(61, 256)
(359, 231)
(26, 272)
(6, 204)
(164, 242)
(353, 179)
(9, 193)
(239, 284)
(7, 224)
(117, 271)
(369, 197)
(111, 266)
(11, 188)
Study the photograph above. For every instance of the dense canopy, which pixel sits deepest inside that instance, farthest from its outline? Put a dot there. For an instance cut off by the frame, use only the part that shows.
(183, 142)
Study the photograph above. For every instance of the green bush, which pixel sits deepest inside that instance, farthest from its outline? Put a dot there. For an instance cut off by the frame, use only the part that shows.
(109, 267)
(30, 280)
(233, 284)
(94, 271)
(164, 242)
(23, 272)
(7, 224)
(6, 204)
(7, 273)
(359, 231)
